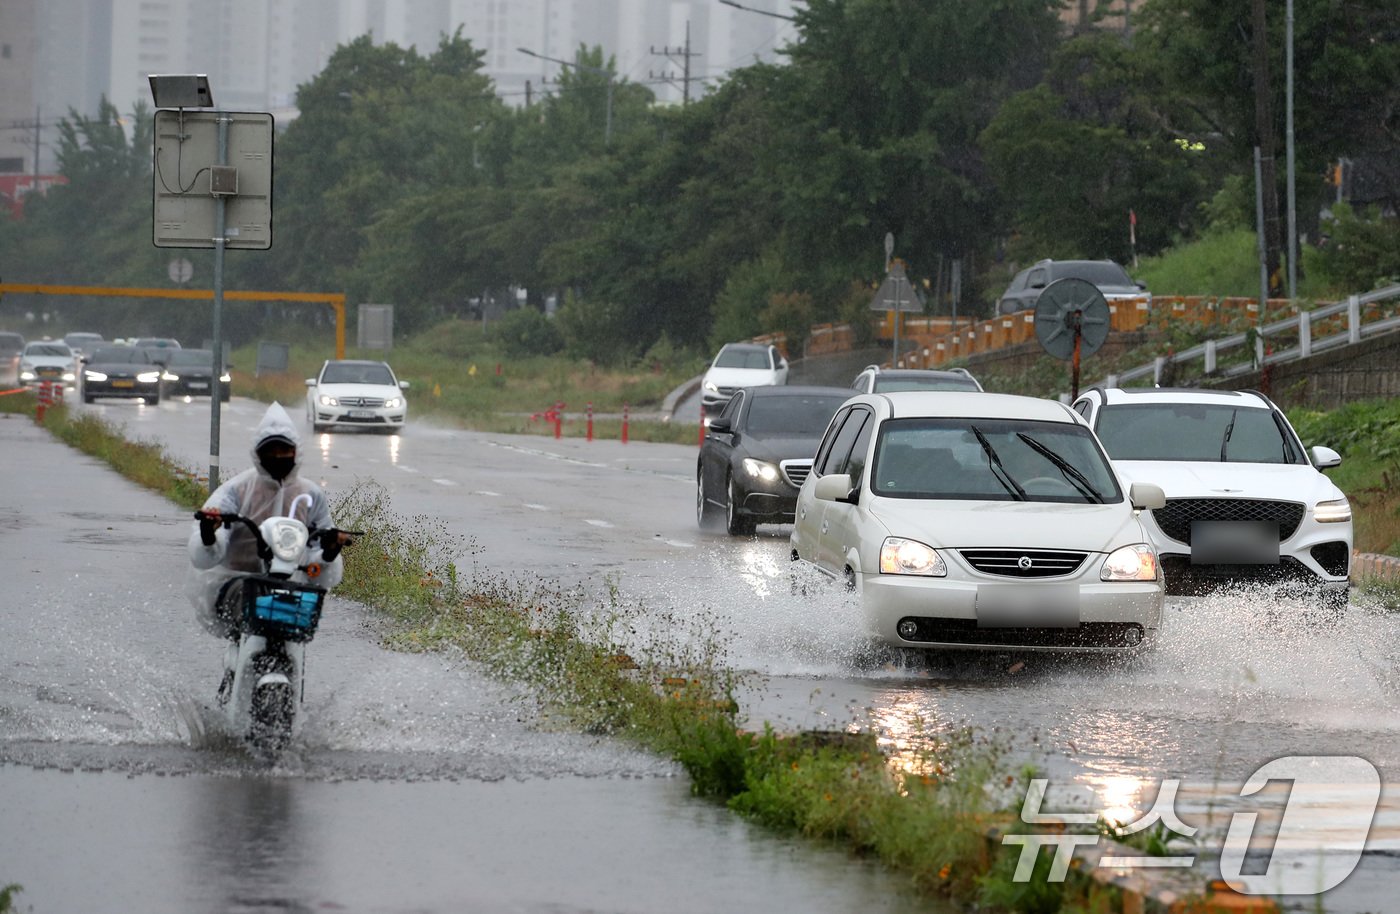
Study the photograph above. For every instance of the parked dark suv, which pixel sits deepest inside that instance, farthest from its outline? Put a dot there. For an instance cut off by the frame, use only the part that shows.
(1113, 281)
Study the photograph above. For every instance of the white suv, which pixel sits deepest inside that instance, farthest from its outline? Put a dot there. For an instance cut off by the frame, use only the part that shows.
(1246, 502)
(980, 521)
(740, 365)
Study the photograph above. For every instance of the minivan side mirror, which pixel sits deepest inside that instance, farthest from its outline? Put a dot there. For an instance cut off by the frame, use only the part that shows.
(1325, 458)
(1146, 497)
(833, 487)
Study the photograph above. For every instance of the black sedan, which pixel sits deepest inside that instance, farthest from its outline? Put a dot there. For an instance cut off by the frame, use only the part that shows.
(757, 452)
(121, 371)
(189, 373)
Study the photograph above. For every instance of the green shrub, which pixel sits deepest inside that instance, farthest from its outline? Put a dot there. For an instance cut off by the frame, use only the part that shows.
(525, 332)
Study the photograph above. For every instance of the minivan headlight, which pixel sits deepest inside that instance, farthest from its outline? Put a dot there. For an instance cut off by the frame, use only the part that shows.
(1332, 512)
(902, 556)
(1130, 563)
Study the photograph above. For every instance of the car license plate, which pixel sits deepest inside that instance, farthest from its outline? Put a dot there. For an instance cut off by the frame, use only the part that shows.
(361, 414)
(123, 383)
(1218, 542)
(198, 385)
(1027, 605)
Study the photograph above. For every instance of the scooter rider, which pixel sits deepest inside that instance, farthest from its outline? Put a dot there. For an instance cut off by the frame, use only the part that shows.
(221, 556)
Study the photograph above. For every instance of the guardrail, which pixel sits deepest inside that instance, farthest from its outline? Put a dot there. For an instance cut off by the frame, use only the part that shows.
(1305, 333)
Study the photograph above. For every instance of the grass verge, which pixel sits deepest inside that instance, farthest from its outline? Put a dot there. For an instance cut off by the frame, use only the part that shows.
(610, 668)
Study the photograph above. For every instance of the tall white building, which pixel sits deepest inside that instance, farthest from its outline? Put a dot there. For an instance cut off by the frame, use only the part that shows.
(257, 52)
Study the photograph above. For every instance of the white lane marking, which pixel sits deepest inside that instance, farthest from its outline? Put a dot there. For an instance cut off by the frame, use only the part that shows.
(445, 482)
(408, 469)
(597, 523)
(535, 507)
(678, 544)
(538, 453)
(487, 494)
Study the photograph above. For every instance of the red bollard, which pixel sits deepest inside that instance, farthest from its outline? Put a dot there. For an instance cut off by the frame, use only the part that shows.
(43, 404)
(559, 420)
(702, 424)
(590, 420)
(624, 423)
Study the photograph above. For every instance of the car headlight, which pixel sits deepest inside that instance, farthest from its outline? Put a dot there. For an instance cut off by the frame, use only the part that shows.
(94, 376)
(26, 374)
(1130, 563)
(902, 556)
(328, 401)
(712, 387)
(760, 470)
(169, 376)
(393, 403)
(225, 378)
(1333, 512)
(68, 376)
(148, 377)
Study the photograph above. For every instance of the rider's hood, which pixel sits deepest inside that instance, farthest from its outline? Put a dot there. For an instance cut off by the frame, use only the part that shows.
(276, 424)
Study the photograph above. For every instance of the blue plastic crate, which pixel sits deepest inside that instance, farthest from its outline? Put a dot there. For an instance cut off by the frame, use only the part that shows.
(279, 609)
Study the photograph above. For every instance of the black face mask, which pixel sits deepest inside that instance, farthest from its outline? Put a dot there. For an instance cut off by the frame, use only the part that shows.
(279, 468)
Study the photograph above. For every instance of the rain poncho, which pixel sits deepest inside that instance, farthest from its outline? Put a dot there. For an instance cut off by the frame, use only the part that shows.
(256, 495)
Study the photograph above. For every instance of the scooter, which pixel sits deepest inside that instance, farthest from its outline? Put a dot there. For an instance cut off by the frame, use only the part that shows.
(264, 671)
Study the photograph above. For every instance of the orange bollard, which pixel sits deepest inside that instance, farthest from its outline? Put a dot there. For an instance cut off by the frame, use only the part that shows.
(624, 423)
(559, 419)
(590, 420)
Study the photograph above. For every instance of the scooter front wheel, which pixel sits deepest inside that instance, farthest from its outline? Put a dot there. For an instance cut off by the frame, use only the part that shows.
(271, 712)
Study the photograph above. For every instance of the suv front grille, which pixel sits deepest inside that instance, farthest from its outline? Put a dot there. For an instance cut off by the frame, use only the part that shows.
(796, 471)
(1024, 563)
(1175, 519)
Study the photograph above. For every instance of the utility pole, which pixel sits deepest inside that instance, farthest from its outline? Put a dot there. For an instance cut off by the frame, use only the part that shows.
(685, 54)
(528, 92)
(1264, 133)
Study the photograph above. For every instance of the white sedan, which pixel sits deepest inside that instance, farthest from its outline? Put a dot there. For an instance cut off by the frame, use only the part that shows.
(47, 360)
(982, 521)
(351, 392)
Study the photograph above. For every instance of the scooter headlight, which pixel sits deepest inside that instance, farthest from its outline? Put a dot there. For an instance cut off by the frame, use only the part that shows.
(288, 540)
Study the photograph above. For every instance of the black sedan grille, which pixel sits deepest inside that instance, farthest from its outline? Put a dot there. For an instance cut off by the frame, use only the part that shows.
(1175, 519)
(796, 471)
(1024, 563)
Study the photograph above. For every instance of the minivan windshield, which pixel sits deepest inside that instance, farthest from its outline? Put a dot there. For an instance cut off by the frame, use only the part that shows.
(730, 357)
(991, 460)
(1201, 432)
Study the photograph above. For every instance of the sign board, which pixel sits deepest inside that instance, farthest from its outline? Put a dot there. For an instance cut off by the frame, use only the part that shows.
(271, 357)
(897, 293)
(187, 175)
(376, 327)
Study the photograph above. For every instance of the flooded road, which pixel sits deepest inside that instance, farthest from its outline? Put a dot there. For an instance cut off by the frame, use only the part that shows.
(1228, 689)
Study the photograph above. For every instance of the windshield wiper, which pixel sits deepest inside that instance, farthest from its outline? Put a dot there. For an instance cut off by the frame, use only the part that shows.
(1067, 469)
(1011, 485)
(1229, 430)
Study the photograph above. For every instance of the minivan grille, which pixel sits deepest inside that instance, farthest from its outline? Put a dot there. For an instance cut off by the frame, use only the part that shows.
(1024, 563)
(1175, 519)
(796, 471)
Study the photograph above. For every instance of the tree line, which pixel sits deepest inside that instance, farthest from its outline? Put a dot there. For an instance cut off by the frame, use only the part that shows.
(985, 133)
